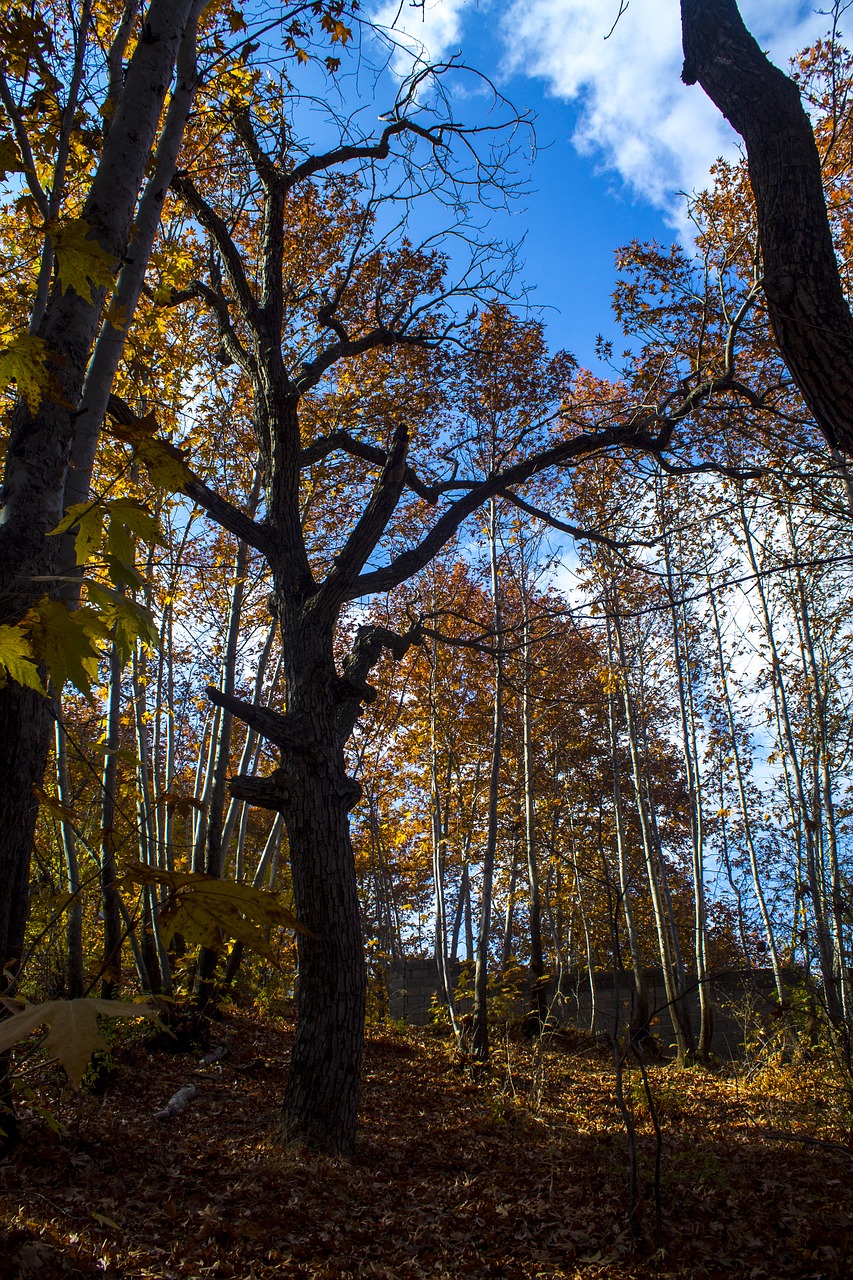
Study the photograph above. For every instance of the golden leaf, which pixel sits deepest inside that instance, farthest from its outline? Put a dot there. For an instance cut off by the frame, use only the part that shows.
(73, 1034)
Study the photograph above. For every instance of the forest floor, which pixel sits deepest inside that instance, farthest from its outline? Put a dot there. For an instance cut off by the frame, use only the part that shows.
(520, 1172)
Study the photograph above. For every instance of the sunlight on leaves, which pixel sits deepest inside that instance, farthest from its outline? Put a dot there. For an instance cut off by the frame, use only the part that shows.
(205, 911)
(24, 362)
(73, 1033)
(81, 263)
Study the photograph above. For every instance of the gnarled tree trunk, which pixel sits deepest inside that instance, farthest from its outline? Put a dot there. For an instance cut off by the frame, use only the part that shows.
(802, 286)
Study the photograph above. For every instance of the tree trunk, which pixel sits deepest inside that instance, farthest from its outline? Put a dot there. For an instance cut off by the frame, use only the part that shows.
(321, 1099)
(310, 788)
(746, 817)
(538, 991)
(802, 285)
(74, 931)
(640, 1004)
(480, 1033)
(109, 875)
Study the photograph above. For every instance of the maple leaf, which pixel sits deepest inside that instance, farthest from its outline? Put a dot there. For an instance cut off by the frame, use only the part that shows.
(180, 806)
(73, 1033)
(204, 910)
(10, 159)
(66, 641)
(17, 659)
(24, 362)
(128, 619)
(81, 263)
(88, 518)
(164, 462)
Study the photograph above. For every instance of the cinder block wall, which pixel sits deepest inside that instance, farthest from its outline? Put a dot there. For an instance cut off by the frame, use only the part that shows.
(413, 987)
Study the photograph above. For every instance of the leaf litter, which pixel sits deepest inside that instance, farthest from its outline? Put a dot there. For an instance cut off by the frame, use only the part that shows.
(520, 1171)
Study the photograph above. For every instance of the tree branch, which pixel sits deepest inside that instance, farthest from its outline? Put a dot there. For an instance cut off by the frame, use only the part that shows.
(562, 526)
(211, 221)
(217, 507)
(322, 447)
(369, 528)
(313, 370)
(286, 732)
(564, 453)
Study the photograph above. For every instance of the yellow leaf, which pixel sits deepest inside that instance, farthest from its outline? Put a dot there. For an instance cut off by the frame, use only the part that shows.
(164, 461)
(180, 806)
(205, 910)
(17, 659)
(81, 263)
(53, 804)
(104, 1221)
(24, 362)
(136, 517)
(88, 518)
(73, 1034)
(66, 641)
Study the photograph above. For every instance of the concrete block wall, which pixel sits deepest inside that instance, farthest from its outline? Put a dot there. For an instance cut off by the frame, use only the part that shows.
(413, 987)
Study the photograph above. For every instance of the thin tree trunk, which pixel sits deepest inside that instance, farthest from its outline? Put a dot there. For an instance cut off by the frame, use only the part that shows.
(809, 826)
(687, 718)
(651, 849)
(640, 1007)
(480, 1030)
(74, 930)
(538, 992)
(746, 817)
(109, 873)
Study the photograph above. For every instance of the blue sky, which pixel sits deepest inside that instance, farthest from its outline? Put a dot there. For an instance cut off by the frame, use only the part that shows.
(618, 134)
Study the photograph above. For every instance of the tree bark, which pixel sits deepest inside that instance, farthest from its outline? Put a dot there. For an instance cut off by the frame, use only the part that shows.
(480, 1032)
(321, 1098)
(802, 285)
(40, 442)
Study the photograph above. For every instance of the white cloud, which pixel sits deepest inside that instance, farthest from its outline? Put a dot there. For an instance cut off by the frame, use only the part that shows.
(634, 114)
(433, 29)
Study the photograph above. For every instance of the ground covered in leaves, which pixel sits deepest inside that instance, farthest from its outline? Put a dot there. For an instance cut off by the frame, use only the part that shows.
(519, 1172)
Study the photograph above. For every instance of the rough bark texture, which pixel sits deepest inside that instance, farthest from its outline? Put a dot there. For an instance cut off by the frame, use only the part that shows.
(39, 444)
(802, 286)
(321, 1099)
(26, 725)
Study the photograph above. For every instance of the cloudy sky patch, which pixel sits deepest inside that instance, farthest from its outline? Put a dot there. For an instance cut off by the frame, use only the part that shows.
(633, 115)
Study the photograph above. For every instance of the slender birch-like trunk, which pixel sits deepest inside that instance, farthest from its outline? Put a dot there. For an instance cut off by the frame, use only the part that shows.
(480, 1031)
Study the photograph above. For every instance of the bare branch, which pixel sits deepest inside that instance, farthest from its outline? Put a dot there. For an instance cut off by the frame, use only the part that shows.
(286, 732)
(590, 535)
(322, 447)
(231, 258)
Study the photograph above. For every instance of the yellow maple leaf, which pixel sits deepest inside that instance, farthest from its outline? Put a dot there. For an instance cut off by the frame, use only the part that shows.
(204, 910)
(24, 362)
(73, 1033)
(81, 263)
(88, 518)
(164, 461)
(67, 642)
(17, 659)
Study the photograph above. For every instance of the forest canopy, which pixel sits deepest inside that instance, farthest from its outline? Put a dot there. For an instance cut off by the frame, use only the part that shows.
(343, 622)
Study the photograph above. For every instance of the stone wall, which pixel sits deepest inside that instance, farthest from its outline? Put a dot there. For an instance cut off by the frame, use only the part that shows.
(413, 986)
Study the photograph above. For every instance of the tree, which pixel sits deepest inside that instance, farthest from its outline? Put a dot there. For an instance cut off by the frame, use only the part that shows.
(65, 316)
(800, 276)
(313, 339)
(89, 131)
